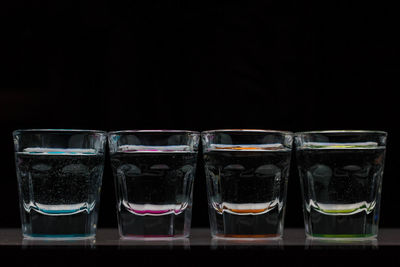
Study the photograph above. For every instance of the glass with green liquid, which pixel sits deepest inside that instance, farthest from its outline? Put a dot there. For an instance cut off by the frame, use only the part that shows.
(341, 180)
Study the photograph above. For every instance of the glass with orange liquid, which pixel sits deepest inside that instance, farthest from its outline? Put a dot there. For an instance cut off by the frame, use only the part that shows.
(247, 175)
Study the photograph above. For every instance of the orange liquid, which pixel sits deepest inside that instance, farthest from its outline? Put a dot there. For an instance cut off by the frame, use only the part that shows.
(248, 210)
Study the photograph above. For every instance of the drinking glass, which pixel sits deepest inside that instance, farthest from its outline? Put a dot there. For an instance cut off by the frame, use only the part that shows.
(59, 176)
(153, 173)
(341, 180)
(247, 175)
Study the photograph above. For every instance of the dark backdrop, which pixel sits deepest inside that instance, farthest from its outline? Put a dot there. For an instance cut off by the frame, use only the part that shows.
(286, 65)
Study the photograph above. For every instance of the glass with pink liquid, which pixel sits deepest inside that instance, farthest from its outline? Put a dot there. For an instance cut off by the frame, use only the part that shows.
(153, 173)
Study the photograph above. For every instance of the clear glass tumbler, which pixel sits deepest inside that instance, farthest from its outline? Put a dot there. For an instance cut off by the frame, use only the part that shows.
(59, 179)
(154, 172)
(247, 175)
(341, 180)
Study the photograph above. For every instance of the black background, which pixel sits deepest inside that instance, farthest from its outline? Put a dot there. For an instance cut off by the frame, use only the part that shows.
(198, 65)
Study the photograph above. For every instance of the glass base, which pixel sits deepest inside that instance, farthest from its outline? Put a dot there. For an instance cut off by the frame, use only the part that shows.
(247, 237)
(170, 226)
(153, 237)
(58, 237)
(339, 237)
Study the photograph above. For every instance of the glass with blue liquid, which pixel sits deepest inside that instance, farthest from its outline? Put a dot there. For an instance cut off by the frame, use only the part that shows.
(59, 176)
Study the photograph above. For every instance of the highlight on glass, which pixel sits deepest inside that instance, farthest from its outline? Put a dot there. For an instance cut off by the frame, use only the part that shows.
(341, 181)
(247, 176)
(154, 172)
(59, 176)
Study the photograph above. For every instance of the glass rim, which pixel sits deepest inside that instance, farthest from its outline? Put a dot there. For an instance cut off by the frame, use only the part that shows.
(15, 132)
(341, 131)
(153, 131)
(246, 131)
